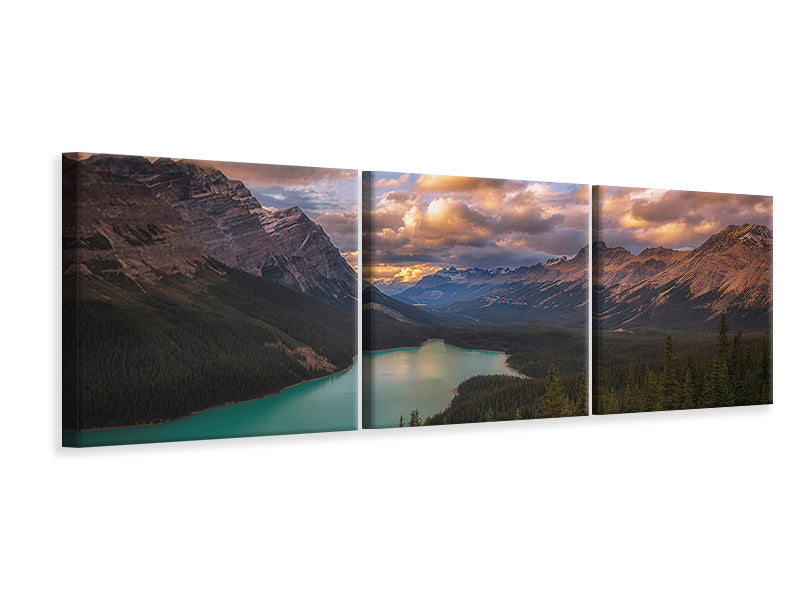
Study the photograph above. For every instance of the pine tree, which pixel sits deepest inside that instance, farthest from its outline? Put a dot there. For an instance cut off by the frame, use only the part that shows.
(736, 371)
(669, 388)
(612, 403)
(766, 367)
(517, 415)
(688, 390)
(717, 391)
(489, 415)
(628, 400)
(583, 394)
(552, 402)
(649, 392)
(598, 405)
(415, 420)
(401, 421)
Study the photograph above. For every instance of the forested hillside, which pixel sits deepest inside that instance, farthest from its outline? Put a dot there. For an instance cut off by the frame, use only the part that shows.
(699, 371)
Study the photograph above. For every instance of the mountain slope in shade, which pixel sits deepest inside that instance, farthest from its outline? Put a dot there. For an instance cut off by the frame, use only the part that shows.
(377, 305)
(732, 270)
(555, 292)
(230, 225)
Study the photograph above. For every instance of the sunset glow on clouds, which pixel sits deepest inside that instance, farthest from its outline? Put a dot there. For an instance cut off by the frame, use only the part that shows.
(638, 218)
(421, 223)
(328, 196)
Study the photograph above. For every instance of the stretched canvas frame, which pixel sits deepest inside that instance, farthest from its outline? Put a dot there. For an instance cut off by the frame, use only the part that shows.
(682, 300)
(476, 299)
(206, 299)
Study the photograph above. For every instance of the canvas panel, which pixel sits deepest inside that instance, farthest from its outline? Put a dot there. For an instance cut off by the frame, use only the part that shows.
(206, 299)
(475, 300)
(682, 299)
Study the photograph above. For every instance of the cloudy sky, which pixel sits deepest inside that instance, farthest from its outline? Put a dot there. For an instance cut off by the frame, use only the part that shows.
(328, 196)
(638, 218)
(421, 223)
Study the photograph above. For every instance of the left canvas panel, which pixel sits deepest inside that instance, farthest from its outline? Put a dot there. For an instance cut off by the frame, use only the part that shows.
(206, 299)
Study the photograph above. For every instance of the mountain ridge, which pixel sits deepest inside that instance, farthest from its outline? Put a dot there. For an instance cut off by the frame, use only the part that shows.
(731, 270)
(230, 225)
(553, 291)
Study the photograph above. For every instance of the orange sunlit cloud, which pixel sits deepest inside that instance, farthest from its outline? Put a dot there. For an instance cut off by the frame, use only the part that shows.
(395, 182)
(385, 273)
(440, 221)
(637, 218)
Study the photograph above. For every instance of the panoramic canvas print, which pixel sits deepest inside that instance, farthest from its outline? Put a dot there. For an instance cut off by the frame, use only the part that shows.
(475, 299)
(206, 299)
(682, 306)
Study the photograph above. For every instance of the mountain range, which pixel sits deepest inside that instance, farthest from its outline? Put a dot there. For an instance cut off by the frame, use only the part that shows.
(660, 287)
(555, 291)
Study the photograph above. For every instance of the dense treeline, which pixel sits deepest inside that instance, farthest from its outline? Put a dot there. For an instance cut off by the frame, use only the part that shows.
(166, 352)
(712, 373)
(507, 398)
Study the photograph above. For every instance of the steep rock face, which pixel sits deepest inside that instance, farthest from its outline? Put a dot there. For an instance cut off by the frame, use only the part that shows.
(120, 228)
(303, 257)
(231, 226)
(735, 263)
(732, 270)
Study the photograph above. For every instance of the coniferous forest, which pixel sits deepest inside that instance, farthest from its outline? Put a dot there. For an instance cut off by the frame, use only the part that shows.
(683, 371)
(163, 352)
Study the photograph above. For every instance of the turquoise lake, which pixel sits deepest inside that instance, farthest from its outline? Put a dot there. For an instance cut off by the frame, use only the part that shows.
(421, 378)
(327, 404)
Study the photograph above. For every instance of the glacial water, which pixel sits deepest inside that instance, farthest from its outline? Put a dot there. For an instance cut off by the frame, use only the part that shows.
(422, 378)
(327, 404)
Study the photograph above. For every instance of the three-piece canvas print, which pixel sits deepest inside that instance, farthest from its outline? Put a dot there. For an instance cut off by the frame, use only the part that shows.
(208, 299)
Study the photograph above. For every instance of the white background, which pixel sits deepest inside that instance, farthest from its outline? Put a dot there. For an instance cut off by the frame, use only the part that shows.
(687, 95)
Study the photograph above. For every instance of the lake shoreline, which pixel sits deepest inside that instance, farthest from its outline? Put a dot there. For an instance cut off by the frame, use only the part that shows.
(505, 359)
(436, 340)
(432, 373)
(510, 368)
(197, 412)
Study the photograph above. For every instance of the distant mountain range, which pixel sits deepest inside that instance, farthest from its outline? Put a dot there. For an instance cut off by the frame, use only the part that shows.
(661, 287)
(554, 292)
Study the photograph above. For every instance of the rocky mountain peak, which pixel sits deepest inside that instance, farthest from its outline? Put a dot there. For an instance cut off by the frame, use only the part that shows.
(230, 225)
(731, 270)
(751, 236)
(656, 252)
